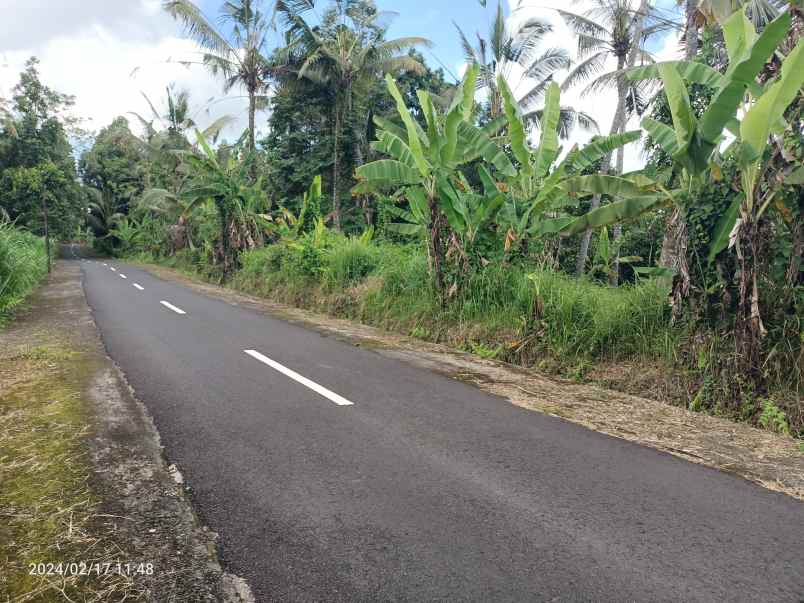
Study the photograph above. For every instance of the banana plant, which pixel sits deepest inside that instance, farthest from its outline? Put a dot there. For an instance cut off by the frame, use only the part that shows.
(543, 186)
(692, 143)
(607, 256)
(414, 220)
(425, 165)
(223, 181)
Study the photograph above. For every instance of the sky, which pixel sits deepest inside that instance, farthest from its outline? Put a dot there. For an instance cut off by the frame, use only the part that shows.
(109, 52)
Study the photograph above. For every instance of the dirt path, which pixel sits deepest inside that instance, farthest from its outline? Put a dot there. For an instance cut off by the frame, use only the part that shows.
(84, 478)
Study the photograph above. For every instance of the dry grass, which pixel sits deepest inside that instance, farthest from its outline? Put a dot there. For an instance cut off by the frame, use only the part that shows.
(48, 512)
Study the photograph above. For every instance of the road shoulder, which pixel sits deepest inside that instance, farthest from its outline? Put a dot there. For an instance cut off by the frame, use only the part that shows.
(85, 478)
(773, 461)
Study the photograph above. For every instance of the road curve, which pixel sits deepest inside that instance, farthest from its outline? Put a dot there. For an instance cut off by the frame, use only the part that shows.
(333, 473)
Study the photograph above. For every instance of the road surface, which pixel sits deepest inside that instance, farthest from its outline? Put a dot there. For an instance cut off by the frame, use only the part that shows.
(333, 473)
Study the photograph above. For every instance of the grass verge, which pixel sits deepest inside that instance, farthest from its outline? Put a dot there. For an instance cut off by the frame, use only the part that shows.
(48, 512)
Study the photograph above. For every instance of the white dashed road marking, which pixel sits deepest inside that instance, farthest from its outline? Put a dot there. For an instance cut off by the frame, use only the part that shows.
(113, 269)
(123, 276)
(138, 286)
(332, 396)
(172, 307)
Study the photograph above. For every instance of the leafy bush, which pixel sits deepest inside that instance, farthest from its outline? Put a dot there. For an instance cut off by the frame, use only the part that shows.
(22, 266)
(773, 418)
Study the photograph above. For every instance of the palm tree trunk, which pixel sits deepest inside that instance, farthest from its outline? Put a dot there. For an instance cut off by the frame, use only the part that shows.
(691, 34)
(617, 125)
(336, 154)
(617, 231)
(252, 111)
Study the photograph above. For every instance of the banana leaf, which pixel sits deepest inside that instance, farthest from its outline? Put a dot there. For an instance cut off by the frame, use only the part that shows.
(619, 211)
(387, 172)
(680, 107)
(724, 106)
(720, 237)
(662, 134)
(694, 72)
(548, 142)
(581, 159)
(411, 126)
(456, 114)
(516, 129)
(428, 109)
(452, 206)
(551, 226)
(602, 184)
(390, 144)
(474, 143)
(758, 121)
(389, 126)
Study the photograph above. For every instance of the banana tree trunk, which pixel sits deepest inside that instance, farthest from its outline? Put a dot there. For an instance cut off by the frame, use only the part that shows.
(436, 248)
(223, 215)
(676, 237)
(749, 328)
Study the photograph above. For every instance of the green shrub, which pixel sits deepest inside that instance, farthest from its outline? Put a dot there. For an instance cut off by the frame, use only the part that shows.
(773, 418)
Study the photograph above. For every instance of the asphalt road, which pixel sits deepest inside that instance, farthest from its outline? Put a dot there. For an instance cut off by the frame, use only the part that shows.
(423, 488)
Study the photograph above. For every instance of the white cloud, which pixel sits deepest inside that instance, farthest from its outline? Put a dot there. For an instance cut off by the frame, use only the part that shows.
(107, 54)
(600, 105)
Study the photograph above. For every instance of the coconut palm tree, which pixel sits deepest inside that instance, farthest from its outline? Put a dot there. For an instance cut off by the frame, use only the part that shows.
(514, 53)
(611, 29)
(345, 54)
(177, 118)
(238, 55)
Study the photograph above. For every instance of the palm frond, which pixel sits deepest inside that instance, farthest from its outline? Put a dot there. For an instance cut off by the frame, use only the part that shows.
(584, 25)
(469, 54)
(584, 70)
(402, 63)
(552, 60)
(197, 26)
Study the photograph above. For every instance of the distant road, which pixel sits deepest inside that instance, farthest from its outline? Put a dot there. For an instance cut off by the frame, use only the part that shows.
(333, 473)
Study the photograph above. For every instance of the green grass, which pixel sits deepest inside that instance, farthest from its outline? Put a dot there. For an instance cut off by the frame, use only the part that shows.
(22, 266)
(388, 285)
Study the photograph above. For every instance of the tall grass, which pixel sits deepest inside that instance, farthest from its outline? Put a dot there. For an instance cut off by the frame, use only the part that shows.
(388, 285)
(22, 266)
